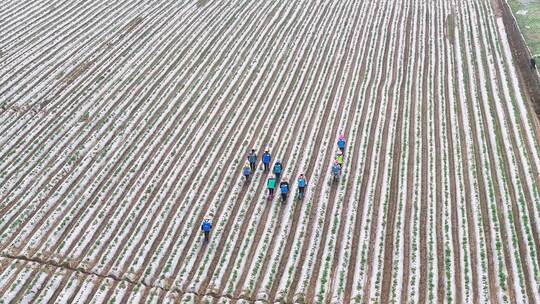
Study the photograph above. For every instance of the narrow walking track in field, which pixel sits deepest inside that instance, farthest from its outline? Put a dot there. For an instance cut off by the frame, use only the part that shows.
(456, 248)
(439, 191)
(423, 281)
(124, 125)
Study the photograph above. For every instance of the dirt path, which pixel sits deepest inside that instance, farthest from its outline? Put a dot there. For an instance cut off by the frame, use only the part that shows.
(423, 288)
(439, 216)
(528, 79)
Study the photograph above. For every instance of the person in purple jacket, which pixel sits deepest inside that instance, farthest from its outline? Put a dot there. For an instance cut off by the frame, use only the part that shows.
(246, 171)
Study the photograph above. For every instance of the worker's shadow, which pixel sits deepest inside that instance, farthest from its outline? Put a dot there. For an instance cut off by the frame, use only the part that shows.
(204, 242)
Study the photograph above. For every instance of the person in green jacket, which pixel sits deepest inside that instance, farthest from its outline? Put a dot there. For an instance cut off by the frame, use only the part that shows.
(271, 184)
(339, 158)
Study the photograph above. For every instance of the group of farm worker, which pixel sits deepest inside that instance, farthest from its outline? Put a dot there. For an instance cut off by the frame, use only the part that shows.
(338, 162)
(277, 171)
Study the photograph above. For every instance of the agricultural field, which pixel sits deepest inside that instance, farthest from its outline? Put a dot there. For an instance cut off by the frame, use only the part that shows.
(123, 124)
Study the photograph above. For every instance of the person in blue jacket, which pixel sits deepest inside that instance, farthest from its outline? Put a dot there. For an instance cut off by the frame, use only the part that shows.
(247, 171)
(252, 159)
(341, 143)
(277, 169)
(266, 158)
(284, 187)
(336, 168)
(206, 227)
(301, 186)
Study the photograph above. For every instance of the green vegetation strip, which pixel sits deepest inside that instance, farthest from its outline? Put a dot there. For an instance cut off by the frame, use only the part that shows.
(527, 13)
